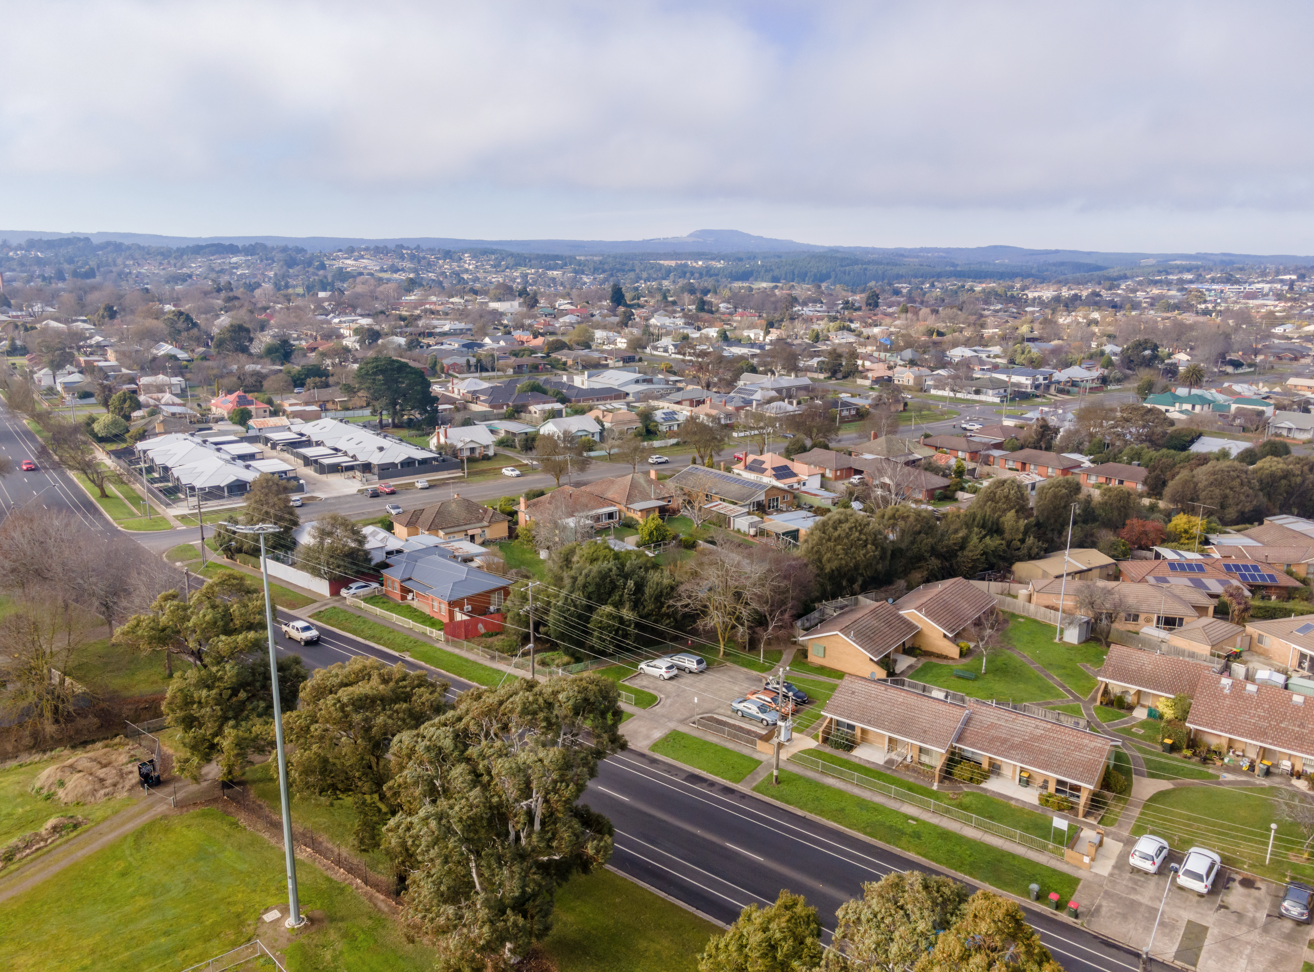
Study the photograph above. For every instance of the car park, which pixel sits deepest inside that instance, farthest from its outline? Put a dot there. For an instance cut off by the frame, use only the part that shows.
(659, 667)
(28, 466)
(1296, 902)
(302, 631)
(511, 471)
(295, 501)
(1149, 854)
(752, 709)
(774, 699)
(657, 460)
(360, 588)
(796, 694)
(1199, 869)
(422, 484)
(387, 489)
(393, 509)
(687, 662)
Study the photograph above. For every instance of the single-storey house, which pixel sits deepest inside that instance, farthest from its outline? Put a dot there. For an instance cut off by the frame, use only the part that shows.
(964, 447)
(777, 470)
(571, 428)
(859, 640)
(1292, 425)
(903, 722)
(1084, 562)
(1115, 474)
(1143, 678)
(1207, 574)
(1287, 641)
(470, 442)
(1046, 464)
(1135, 605)
(704, 485)
(455, 519)
(901, 481)
(1295, 558)
(225, 405)
(827, 463)
(606, 501)
(1262, 722)
(467, 600)
(944, 610)
(1207, 636)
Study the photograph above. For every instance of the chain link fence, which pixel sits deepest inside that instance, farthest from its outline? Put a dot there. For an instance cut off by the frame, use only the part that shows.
(231, 959)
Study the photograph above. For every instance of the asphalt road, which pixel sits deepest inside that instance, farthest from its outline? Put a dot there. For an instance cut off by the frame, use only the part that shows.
(49, 486)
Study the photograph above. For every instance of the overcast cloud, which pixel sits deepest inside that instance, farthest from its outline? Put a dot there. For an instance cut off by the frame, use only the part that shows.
(1098, 125)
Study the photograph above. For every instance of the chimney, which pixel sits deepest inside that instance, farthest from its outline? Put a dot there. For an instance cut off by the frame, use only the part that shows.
(872, 436)
(723, 466)
(456, 496)
(524, 505)
(652, 474)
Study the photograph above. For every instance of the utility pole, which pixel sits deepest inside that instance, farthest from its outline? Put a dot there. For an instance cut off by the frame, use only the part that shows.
(1145, 954)
(1063, 588)
(1199, 520)
(201, 520)
(783, 724)
(530, 589)
(187, 585)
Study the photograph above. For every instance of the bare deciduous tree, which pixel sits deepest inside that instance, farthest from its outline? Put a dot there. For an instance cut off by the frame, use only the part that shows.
(1100, 602)
(986, 634)
(1298, 808)
(43, 640)
(721, 589)
(693, 504)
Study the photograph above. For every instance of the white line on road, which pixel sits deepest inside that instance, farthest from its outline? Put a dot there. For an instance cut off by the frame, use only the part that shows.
(616, 795)
(742, 851)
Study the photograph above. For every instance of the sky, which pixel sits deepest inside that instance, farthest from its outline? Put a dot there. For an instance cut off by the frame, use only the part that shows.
(1147, 126)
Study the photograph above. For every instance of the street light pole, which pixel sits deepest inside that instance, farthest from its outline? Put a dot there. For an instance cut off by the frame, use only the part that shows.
(295, 918)
(783, 724)
(1063, 588)
(1145, 954)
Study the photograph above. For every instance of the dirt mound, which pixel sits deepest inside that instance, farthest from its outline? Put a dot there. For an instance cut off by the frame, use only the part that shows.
(92, 776)
(29, 844)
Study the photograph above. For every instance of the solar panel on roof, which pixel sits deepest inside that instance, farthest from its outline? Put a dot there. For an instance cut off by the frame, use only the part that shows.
(1305, 629)
(1185, 567)
(1264, 578)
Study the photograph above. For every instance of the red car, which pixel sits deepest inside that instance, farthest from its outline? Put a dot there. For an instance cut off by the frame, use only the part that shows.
(28, 466)
(772, 698)
(739, 456)
(387, 489)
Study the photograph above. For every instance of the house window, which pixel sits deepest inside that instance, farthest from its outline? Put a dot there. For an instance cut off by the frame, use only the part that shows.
(818, 650)
(1264, 640)
(1064, 788)
(1131, 616)
(1169, 623)
(495, 601)
(773, 503)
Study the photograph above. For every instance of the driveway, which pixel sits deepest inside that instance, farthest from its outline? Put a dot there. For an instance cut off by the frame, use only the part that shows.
(687, 696)
(1233, 929)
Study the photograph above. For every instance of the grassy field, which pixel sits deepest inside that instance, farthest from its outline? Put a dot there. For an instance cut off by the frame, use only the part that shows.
(807, 668)
(283, 597)
(979, 861)
(1104, 712)
(183, 553)
(1234, 821)
(384, 603)
(449, 662)
(1063, 661)
(746, 660)
(520, 556)
(182, 889)
(605, 923)
(642, 698)
(1000, 811)
(819, 693)
(119, 671)
(709, 757)
(22, 811)
(1006, 677)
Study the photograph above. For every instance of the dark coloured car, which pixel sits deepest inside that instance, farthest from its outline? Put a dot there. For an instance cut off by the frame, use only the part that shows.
(372, 493)
(1296, 902)
(795, 693)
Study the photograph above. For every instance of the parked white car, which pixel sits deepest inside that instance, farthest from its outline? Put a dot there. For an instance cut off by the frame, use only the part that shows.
(1149, 854)
(295, 501)
(511, 471)
(659, 667)
(360, 589)
(1199, 870)
(302, 631)
(972, 426)
(657, 460)
(422, 484)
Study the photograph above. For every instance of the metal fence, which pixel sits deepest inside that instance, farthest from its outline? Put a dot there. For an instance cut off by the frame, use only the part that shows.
(307, 839)
(437, 634)
(143, 736)
(627, 697)
(933, 806)
(238, 956)
(740, 734)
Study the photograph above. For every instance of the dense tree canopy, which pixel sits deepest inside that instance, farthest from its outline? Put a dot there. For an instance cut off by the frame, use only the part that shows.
(393, 386)
(848, 553)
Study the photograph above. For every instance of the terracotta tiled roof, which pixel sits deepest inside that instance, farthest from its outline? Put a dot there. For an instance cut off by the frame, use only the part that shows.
(1208, 631)
(1141, 598)
(1140, 570)
(1261, 714)
(1294, 554)
(450, 515)
(630, 489)
(884, 708)
(1161, 674)
(950, 605)
(1286, 628)
(1276, 535)
(1038, 458)
(877, 628)
(1118, 470)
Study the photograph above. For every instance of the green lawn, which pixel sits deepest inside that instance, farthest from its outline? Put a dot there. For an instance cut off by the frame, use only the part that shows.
(183, 889)
(979, 861)
(384, 603)
(1000, 811)
(453, 664)
(1006, 677)
(1104, 712)
(1063, 661)
(642, 698)
(22, 811)
(282, 596)
(807, 668)
(750, 660)
(1234, 821)
(819, 693)
(333, 819)
(605, 923)
(119, 671)
(706, 756)
(1165, 766)
(520, 556)
(1148, 730)
(183, 553)
(123, 505)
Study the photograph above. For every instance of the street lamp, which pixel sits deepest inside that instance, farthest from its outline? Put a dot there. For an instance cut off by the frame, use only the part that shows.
(1145, 955)
(295, 919)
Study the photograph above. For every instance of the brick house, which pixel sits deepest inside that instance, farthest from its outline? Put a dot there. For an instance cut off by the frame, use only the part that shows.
(605, 501)
(858, 641)
(1046, 464)
(467, 600)
(225, 405)
(454, 519)
(1287, 641)
(1134, 605)
(1115, 474)
(1144, 678)
(943, 610)
(1262, 722)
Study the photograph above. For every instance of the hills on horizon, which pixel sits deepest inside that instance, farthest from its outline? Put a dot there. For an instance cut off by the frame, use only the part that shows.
(700, 243)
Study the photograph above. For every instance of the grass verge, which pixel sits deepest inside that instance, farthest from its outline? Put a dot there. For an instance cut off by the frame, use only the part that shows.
(642, 698)
(807, 668)
(183, 553)
(122, 672)
(407, 611)
(455, 665)
(282, 596)
(745, 660)
(1063, 661)
(979, 861)
(709, 757)
(1006, 677)
(1104, 712)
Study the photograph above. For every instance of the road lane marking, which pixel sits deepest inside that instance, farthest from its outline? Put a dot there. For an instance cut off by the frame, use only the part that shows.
(738, 904)
(742, 851)
(616, 795)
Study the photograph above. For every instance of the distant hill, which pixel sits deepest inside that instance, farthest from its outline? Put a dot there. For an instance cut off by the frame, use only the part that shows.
(712, 243)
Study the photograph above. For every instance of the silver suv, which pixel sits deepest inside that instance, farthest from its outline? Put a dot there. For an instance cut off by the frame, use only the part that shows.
(687, 661)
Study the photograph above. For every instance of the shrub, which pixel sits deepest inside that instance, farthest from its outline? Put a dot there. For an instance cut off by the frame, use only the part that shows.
(688, 543)
(1115, 782)
(1055, 801)
(1174, 731)
(969, 772)
(653, 530)
(630, 522)
(533, 494)
(110, 427)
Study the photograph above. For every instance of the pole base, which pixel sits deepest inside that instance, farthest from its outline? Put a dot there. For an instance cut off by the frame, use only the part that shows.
(295, 922)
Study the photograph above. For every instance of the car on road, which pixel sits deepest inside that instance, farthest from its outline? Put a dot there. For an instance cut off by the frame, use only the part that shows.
(511, 471)
(781, 703)
(795, 693)
(360, 588)
(393, 509)
(687, 661)
(387, 489)
(372, 493)
(657, 460)
(295, 501)
(1199, 869)
(1296, 902)
(752, 709)
(422, 484)
(302, 631)
(1149, 854)
(739, 456)
(659, 667)
(973, 426)
(28, 466)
